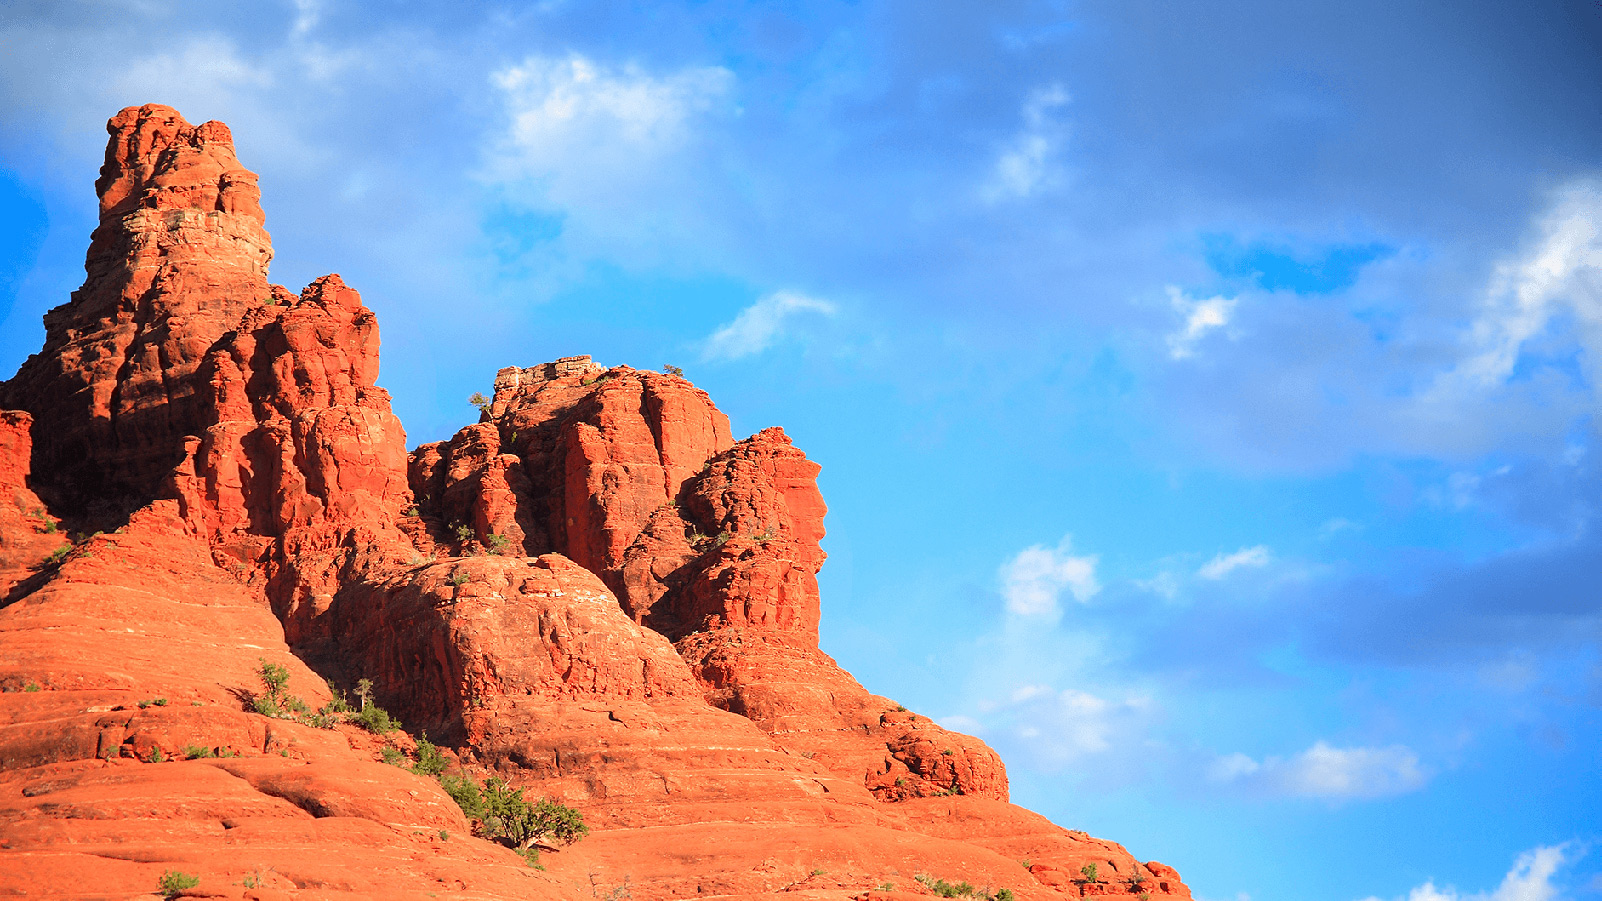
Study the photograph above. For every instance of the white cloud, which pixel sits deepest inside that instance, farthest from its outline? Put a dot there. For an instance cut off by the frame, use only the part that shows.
(307, 12)
(1529, 880)
(1032, 581)
(1201, 317)
(1024, 167)
(574, 111)
(1561, 274)
(1061, 727)
(758, 325)
(1335, 526)
(1224, 564)
(1324, 771)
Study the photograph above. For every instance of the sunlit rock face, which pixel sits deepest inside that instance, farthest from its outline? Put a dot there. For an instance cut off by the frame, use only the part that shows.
(594, 592)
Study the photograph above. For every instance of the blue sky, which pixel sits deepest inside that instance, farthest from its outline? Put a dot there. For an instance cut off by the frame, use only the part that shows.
(1204, 392)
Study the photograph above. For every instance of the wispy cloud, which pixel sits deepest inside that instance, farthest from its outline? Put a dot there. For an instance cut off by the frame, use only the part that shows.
(1200, 317)
(558, 105)
(1325, 771)
(1224, 564)
(1061, 726)
(759, 325)
(1561, 273)
(1529, 880)
(1025, 165)
(1033, 580)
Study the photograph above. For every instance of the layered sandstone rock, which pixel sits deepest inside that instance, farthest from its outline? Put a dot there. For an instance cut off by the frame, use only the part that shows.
(29, 535)
(594, 592)
(179, 257)
(710, 542)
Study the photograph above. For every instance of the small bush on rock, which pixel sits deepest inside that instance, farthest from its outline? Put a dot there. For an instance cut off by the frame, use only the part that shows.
(430, 761)
(376, 720)
(174, 883)
(502, 815)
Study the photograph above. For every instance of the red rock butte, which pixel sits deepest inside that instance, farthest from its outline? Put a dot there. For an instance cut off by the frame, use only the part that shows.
(594, 593)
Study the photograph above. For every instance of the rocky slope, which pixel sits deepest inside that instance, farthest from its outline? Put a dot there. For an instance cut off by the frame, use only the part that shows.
(594, 592)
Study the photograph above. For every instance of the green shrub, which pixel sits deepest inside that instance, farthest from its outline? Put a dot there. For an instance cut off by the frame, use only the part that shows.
(465, 792)
(376, 720)
(464, 532)
(943, 888)
(31, 686)
(156, 756)
(265, 706)
(670, 369)
(531, 856)
(496, 544)
(392, 756)
(174, 883)
(458, 579)
(1089, 872)
(273, 675)
(337, 704)
(430, 762)
(59, 554)
(480, 401)
(504, 816)
(194, 752)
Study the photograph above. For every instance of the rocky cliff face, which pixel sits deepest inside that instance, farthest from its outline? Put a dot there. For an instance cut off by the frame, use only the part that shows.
(594, 592)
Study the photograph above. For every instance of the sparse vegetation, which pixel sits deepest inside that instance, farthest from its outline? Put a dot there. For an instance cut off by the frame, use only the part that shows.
(1089, 872)
(900, 782)
(458, 579)
(945, 889)
(430, 760)
(670, 369)
(887, 886)
(59, 554)
(153, 702)
(413, 511)
(376, 720)
(173, 883)
(392, 756)
(444, 836)
(502, 815)
(480, 401)
(31, 686)
(464, 532)
(195, 752)
(496, 544)
(156, 756)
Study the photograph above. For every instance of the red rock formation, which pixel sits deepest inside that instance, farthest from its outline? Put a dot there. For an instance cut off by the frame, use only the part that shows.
(600, 465)
(598, 595)
(28, 534)
(179, 257)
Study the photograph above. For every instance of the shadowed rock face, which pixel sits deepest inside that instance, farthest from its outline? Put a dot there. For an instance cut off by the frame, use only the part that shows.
(180, 255)
(594, 592)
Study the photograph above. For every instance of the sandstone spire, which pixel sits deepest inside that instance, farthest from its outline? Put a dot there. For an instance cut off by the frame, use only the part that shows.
(178, 258)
